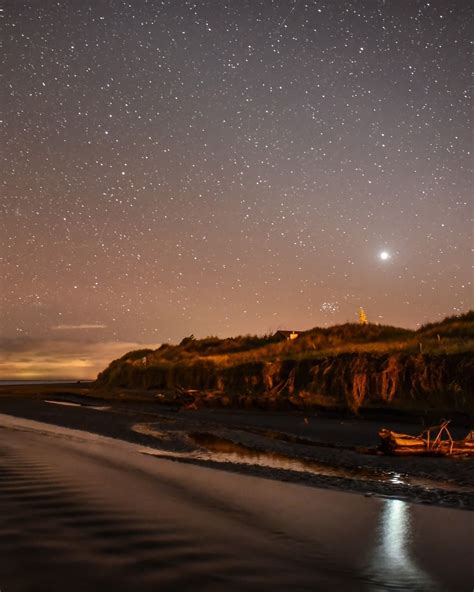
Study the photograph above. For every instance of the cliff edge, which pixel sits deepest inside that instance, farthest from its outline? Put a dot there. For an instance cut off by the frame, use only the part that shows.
(349, 366)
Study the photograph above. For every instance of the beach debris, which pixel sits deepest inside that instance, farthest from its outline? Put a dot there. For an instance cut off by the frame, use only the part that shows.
(434, 441)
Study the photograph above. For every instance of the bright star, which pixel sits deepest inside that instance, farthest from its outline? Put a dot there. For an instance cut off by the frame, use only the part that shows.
(384, 255)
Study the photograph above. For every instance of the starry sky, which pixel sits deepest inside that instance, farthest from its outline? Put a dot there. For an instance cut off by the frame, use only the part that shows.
(220, 167)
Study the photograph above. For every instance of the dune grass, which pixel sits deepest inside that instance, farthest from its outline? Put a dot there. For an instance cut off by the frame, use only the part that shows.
(450, 336)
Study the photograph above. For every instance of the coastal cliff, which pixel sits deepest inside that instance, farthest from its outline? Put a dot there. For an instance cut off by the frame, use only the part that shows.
(345, 367)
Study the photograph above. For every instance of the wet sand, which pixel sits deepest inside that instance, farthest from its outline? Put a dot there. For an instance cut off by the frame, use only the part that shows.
(82, 511)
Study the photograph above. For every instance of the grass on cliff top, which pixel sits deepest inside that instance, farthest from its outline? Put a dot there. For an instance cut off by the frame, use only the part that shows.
(452, 335)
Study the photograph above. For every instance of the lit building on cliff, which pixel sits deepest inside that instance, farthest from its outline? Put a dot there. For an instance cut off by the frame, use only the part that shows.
(287, 335)
(362, 317)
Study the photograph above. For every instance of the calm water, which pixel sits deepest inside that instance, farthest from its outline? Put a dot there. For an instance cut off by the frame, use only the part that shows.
(84, 512)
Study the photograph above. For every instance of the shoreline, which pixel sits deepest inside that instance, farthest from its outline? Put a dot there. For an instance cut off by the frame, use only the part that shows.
(261, 443)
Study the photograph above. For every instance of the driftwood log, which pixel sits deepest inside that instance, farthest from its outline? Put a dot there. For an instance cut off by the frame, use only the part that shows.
(435, 441)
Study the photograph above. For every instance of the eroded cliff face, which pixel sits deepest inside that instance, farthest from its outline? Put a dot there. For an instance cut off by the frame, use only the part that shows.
(353, 381)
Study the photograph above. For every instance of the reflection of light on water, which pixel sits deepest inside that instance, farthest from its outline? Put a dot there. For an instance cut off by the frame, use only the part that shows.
(397, 479)
(396, 533)
(392, 565)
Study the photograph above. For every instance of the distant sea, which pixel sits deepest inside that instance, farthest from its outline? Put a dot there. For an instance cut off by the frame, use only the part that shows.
(20, 382)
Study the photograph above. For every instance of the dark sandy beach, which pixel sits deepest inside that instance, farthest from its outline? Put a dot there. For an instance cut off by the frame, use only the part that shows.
(103, 494)
(331, 452)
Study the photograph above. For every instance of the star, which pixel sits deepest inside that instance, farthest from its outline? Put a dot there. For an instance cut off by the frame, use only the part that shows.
(217, 172)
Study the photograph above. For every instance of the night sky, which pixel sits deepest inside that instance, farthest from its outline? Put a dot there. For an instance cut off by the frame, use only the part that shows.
(228, 167)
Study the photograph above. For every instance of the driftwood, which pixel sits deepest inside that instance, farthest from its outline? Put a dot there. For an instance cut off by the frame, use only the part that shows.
(435, 441)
